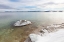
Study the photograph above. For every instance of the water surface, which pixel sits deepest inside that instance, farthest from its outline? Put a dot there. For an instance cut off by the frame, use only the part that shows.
(9, 33)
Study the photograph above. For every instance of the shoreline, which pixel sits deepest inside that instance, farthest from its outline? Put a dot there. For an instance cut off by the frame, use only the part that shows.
(42, 30)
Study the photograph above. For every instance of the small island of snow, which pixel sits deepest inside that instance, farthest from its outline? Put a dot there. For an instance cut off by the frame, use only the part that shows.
(22, 23)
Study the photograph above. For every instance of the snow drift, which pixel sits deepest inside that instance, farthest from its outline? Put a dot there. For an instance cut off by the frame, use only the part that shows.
(50, 37)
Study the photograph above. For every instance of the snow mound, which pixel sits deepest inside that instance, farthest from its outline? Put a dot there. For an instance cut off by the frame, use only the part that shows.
(22, 23)
(34, 37)
(50, 37)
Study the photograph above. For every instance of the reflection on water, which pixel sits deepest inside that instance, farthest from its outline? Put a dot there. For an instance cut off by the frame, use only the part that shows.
(9, 33)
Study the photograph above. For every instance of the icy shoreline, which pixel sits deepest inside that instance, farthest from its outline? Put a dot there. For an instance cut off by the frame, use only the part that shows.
(51, 37)
(50, 33)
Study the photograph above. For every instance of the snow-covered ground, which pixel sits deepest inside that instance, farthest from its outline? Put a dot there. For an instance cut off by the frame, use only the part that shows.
(57, 36)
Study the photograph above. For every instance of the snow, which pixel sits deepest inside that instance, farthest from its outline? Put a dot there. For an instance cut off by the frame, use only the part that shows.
(20, 23)
(54, 25)
(57, 36)
(34, 37)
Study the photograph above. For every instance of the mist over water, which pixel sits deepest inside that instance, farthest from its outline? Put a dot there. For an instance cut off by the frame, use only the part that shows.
(7, 19)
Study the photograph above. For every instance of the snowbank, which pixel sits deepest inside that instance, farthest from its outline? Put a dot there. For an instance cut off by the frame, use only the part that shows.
(50, 37)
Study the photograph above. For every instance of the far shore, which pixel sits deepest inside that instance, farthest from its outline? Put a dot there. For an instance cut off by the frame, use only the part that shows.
(31, 11)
